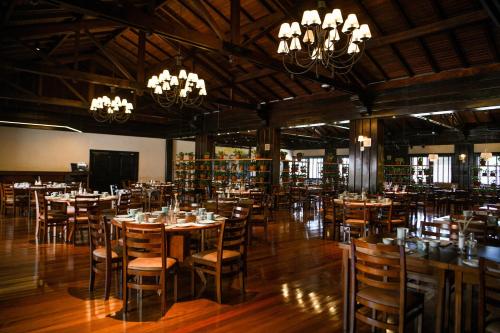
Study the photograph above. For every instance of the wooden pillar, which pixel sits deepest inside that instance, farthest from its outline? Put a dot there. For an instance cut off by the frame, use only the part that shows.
(366, 167)
(461, 171)
(169, 159)
(268, 146)
(204, 143)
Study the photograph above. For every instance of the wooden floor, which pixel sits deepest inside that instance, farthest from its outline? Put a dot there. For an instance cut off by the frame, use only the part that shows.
(293, 286)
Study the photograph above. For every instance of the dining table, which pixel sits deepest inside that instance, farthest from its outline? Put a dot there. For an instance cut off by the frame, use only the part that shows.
(443, 260)
(178, 233)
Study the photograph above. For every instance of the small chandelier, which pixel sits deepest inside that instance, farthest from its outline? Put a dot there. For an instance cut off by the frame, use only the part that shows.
(321, 43)
(433, 157)
(184, 89)
(105, 109)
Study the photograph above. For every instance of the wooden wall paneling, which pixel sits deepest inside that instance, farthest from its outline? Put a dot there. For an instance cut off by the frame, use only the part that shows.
(169, 159)
(461, 172)
(271, 136)
(204, 143)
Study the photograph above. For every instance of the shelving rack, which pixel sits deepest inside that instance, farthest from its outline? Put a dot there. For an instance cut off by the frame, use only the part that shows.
(408, 174)
(335, 175)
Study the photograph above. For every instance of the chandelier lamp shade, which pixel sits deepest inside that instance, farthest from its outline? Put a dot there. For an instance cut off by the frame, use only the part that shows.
(433, 157)
(183, 89)
(334, 43)
(105, 109)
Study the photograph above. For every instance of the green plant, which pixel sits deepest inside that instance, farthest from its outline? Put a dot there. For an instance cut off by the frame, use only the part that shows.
(237, 153)
(221, 154)
(420, 161)
(180, 155)
(283, 155)
(206, 155)
(299, 156)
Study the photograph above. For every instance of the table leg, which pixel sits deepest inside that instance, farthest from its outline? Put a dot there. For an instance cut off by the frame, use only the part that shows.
(345, 288)
(458, 301)
(440, 300)
(468, 307)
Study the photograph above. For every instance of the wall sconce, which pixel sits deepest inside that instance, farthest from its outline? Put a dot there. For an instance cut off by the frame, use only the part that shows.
(462, 158)
(433, 157)
(365, 142)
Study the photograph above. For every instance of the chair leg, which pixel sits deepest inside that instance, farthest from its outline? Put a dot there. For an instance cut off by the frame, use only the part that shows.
(107, 283)
(218, 286)
(242, 282)
(193, 283)
(175, 285)
(163, 283)
(125, 291)
(92, 277)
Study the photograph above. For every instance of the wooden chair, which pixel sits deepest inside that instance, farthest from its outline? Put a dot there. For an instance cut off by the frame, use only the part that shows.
(439, 230)
(8, 199)
(145, 257)
(355, 216)
(400, 214)
(103, 259)
(477, 226)
(378, 286)
(46, 218)
(229, 258)
(136, 198)
(210, 205)
(384, 218)
(489, 296)
(259, 216)
(225, 208)
(332, 216)
(83, 204)
(123, 204)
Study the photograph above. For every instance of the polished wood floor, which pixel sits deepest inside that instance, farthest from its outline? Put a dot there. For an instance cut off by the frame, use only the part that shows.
(293, 286)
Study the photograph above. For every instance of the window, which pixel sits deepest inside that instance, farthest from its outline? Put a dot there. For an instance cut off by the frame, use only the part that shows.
(315, 167)
(488, 173)
(441, 172)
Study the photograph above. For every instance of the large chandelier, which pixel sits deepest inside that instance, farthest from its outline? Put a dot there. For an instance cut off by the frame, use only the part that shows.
(105, 109)
(184, 89)
(330, 44)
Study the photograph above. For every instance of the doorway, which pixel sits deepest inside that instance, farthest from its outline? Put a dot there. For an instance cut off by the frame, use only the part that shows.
(109, 167)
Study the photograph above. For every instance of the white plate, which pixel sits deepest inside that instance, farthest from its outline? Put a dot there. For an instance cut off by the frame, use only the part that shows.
(207, 222)
(122, 216)
(471, 262)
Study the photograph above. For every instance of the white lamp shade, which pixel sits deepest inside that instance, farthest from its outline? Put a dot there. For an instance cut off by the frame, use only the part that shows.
(337, 16)
(361, 138)
(356, 36)
(161, 77)
(364, 32)
(200, 84)
(202, 92)
(316, 54)
(315, 19)
(329, 45)
(285, 31)
(183, 93)
(334, 35)
(283, 47)
(305, 18)
(308, 37)
(165, 86)
(329, 22)
(130, 106)
(182, 74)
(158, 90)
(110, 111)
(127, 111)
(154, 80)
(433, 157)
(295, 44)
(174, 81)
(166, 74)
(124, 102)
(192, 77)
(486, 156)
(295, 29)
(351, 23)
(150, 83)
(353, 48)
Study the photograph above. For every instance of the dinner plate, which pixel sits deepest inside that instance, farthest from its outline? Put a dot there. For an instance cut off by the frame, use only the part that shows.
(207, 222)
(471, 262)
(122, 216)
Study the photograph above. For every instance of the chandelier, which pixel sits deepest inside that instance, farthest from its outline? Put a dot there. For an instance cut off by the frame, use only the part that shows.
(334, 43)
(105, 109)
(184, 89)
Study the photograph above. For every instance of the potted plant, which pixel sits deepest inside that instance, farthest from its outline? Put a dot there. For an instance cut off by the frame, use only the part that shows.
(221, 154)
(216, 165)
(256, 154)
(263, 167)
(299, 156)
(283, 155)
(252, 166)
(191, 156)
(330, 158)
(492, 173)
(206, 155)
(482, 162)
(180, 156)
(237, 154)
(484, 173)
(241, 167)
(420, 161)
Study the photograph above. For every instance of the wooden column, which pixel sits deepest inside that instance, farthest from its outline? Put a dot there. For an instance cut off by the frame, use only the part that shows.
(461, 171)
(204, 143)
(169, 159)
(366, 167)
(270, 136)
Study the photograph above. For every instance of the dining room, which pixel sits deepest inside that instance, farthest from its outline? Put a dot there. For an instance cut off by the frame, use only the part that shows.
(282, 165)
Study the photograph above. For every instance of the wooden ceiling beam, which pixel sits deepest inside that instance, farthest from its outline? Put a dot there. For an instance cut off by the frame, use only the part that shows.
(428, 29)
(201, 9)
(235, 22)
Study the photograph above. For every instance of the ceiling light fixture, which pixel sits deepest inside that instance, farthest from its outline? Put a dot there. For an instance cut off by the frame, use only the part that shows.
(40, 125)
(185, 89)
(487, 108)
(105, 109)
(332, 43)
(433, 157)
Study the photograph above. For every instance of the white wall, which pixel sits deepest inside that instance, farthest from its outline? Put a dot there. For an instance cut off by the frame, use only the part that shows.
(24, 149)
(432, 149)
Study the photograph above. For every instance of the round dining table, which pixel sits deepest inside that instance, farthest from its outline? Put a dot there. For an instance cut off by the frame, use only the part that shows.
(71, 200)
(369, 203)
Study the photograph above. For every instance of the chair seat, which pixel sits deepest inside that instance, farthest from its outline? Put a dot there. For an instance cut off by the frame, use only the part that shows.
(150, 264)
(211, 255)
(389, 297)
(101, 253)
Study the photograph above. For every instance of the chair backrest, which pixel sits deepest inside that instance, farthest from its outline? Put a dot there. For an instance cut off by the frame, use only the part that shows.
(440, 229)
(136, 198)
(382, 267)
(99, 233)
(489, 293)
(385, 213)
(225, 208)
(85, 203)
(233, 237)
(123, 203)
(477, 226)
(240, 212)
(355, 210)
(210, 205)
(142, 240)
(40, 204)
(7, 191)
(400, 211)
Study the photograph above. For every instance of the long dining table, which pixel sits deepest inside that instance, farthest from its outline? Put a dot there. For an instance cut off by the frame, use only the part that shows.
(442, 260)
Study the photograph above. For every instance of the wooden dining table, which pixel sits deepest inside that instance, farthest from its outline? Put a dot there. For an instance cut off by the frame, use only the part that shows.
(443, 260)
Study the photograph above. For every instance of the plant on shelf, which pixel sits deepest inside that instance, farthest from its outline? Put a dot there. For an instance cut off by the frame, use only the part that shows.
(482, 162)
(427, 171)
(206, 155)
(241, 167)
(252, 166)
(475, 181)
(283, 155)
(262, 166)
(492, 173)
(237, 154)
(330, 158)
(191, 156)
(180, 156)
(216, 165)
(256, 154)
(299, 156)
(420, 161)
(221, 154)
(223, 165)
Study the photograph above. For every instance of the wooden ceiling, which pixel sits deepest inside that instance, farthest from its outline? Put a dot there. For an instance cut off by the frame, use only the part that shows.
(424, 56)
